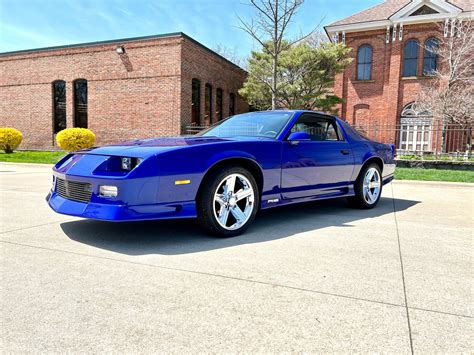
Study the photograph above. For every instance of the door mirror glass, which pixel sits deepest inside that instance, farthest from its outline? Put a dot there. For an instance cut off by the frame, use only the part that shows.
(299, 136)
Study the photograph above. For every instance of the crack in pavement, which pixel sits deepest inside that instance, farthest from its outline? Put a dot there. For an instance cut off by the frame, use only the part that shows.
(402, 270)
(229, 277)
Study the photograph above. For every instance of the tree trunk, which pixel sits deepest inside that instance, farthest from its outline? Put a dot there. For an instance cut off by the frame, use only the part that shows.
(469, 143)
(274, 82)
(275, 57)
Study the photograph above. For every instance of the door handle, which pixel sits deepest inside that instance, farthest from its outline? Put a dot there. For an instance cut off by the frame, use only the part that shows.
(345, 151)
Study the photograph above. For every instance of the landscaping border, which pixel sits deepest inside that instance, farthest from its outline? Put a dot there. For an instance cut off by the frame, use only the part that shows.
(436, 164)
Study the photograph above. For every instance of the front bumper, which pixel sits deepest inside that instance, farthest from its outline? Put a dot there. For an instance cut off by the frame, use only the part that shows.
(120, 212)
(137, 199)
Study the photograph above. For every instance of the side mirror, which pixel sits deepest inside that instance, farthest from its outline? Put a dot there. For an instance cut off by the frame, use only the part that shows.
(296, 137)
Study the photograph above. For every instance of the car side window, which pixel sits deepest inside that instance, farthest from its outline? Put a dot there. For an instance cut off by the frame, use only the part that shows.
(319, 128)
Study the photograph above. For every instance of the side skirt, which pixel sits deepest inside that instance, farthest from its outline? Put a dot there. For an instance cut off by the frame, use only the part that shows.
(265, 204)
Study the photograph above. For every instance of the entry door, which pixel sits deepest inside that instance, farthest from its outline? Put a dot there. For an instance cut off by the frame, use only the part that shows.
(321, 166)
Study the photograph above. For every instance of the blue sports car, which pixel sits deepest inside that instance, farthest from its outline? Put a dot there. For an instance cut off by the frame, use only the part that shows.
(226, 173)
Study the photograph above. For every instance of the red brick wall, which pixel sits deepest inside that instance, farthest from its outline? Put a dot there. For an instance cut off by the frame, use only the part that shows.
(141, 93)
(197, 63)
(381, 99)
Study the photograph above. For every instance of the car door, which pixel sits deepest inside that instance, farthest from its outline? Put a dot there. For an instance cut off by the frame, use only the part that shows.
(321, 166)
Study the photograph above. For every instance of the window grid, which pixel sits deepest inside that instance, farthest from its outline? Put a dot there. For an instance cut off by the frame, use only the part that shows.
(430, 57)
(231, 104)
(80, 103)
(364, 62)
(196, 102)
(219, 104)
(208, 104)
(410, 58)
(59, 106)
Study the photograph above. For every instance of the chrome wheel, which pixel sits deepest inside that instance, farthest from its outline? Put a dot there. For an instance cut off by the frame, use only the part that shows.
(371, 186)
(233, 201)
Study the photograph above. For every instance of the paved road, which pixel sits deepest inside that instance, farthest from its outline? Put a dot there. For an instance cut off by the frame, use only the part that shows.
(318, 277)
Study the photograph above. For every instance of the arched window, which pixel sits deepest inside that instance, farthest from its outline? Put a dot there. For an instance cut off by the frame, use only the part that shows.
(219, 104)
(196, 102)
(364, 62)
(80, 103)
(410, 58)
(59, 105)
(430, 56)
(415, 111)
(208, 104)
(231, 104)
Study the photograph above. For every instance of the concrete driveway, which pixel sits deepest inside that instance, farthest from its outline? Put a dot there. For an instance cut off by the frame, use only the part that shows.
(316, 277)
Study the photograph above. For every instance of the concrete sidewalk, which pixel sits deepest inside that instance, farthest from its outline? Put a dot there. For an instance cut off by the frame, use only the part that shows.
(318, 277)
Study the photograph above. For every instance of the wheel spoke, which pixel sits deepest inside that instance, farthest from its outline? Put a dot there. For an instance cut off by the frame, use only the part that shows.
(220, 199)
(370, 174)
(370, 196)
(243, 193)
(224, 215)
(230, 184)
(238, 214)
(366, 195)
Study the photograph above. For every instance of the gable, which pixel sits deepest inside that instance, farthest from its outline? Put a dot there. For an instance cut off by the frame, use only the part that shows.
(424, 10)
(397, 13)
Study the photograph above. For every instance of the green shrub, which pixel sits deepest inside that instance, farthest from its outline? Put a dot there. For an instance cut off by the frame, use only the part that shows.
(10, 139)
(72, 139)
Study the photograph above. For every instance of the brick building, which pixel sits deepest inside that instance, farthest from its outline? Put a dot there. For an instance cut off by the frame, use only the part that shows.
(120, 89)
(391, 63)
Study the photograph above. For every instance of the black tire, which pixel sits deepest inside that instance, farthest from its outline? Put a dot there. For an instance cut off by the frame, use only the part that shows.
(359, 201)
(205, 202)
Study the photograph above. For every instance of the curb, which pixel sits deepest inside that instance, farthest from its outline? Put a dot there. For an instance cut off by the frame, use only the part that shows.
(439, 183)
(27, 165)
(436, 164)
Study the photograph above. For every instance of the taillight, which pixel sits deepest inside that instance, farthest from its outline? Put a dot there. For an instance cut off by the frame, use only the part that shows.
(394, 151)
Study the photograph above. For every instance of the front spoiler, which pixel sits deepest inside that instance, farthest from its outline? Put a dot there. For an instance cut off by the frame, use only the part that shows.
(120, 213)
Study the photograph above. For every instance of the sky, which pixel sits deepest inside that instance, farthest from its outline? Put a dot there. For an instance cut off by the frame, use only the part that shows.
(27, 24)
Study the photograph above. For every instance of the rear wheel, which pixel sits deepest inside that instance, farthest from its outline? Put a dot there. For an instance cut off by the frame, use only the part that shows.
(228, 202)
(368, 187)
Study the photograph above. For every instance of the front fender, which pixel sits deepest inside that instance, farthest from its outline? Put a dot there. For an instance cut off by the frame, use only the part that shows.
(195, 172)
(231, 154)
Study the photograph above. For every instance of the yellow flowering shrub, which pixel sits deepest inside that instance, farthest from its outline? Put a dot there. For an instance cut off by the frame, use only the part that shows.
(72, 139)
(10, 139)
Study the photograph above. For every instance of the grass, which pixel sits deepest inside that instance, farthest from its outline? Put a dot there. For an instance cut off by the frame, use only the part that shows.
(32, 157)
(434, 175)
(400, 174)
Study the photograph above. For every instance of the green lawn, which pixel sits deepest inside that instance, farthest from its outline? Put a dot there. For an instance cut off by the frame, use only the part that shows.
(32, 157)
(434, 175)
(400, 174)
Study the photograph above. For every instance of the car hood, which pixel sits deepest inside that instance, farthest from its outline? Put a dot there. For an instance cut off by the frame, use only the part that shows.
(143, 148)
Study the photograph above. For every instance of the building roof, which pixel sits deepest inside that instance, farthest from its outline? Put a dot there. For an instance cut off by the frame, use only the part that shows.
(386, 9)
(119, 41)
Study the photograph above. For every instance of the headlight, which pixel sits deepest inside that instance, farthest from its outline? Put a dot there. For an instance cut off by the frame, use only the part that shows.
(126, 163)
(130, 163)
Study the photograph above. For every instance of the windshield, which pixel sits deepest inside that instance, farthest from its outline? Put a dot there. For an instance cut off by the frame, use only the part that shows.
(252, 124)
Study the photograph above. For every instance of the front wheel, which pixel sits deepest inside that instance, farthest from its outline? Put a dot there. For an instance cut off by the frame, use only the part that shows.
(368, 188)
(228, 202)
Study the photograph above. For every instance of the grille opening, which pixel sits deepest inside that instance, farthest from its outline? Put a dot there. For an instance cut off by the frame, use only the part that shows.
(73, 190)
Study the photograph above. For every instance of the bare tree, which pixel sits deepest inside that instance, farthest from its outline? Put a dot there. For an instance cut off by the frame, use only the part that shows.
(450, 93)
(269, 28)
(231, 55)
